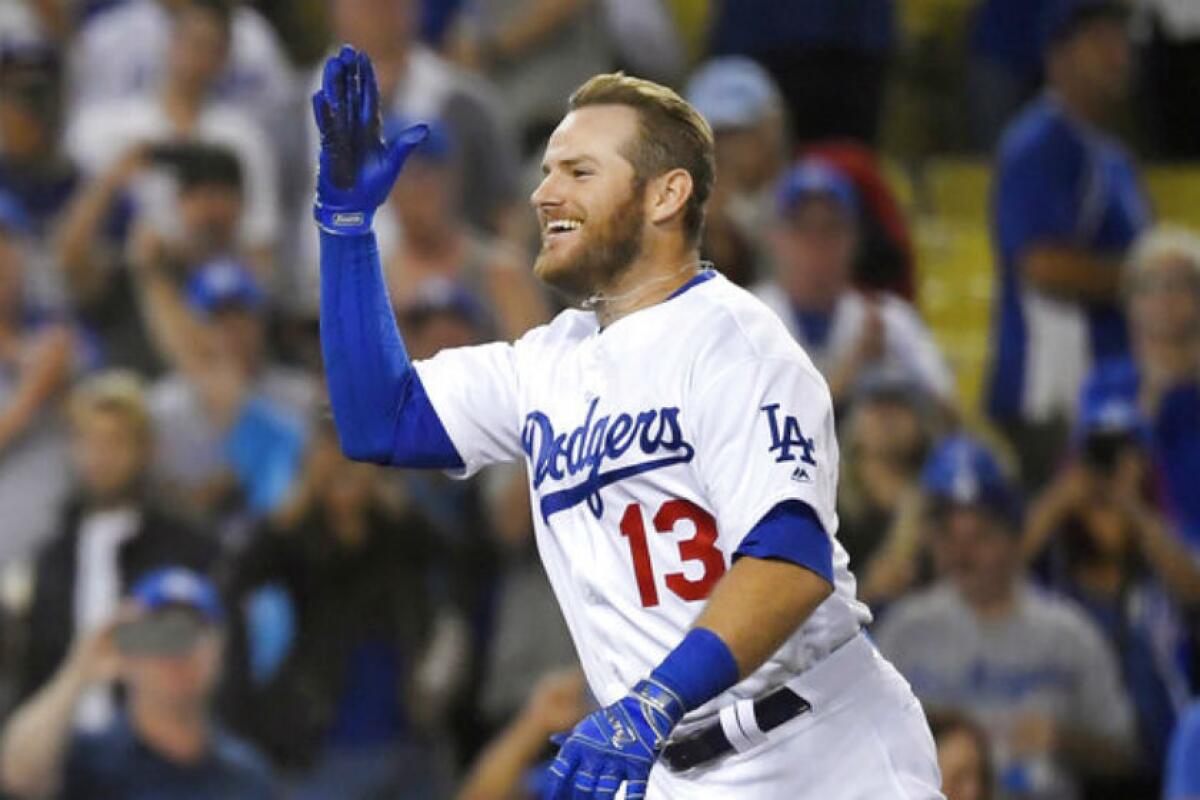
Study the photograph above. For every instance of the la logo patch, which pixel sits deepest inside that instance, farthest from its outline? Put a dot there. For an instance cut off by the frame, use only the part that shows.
(786, 435)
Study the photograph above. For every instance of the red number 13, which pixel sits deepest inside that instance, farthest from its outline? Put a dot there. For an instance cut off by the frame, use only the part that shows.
(701, 547)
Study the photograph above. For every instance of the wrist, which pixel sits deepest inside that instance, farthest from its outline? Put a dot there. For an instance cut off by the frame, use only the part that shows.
(342, 222)
(696, 671)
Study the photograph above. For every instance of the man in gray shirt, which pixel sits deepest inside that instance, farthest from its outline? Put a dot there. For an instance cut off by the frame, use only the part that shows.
(1030, 667)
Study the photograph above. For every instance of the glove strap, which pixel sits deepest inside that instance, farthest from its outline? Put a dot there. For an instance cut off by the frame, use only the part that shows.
(342, 222)
(662, 708)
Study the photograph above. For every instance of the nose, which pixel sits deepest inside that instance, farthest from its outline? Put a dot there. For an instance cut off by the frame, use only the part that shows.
(546, 193)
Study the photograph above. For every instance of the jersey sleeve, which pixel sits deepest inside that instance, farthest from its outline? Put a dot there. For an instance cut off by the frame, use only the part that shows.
(474, 392)
(765, 436)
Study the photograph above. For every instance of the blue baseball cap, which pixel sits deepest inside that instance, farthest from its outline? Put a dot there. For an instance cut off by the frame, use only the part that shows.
(733, 92)
(444, 296)
(962, 471)
(176, 586)
(1062, 18)
(1108, 403)
(222, 283)
(812, 177)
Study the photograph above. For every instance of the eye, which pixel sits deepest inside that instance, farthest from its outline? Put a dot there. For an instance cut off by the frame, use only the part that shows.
(580, 173)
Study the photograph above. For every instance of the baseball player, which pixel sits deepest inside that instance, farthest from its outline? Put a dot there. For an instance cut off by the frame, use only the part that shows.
(681, 457)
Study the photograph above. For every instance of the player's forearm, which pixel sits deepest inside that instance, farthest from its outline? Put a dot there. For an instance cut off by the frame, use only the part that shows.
(365, 360)
(758, 605)
(380, 408)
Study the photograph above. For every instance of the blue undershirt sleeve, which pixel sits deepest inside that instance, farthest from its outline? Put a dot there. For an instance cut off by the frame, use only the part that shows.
(791, 532)
(382, 412)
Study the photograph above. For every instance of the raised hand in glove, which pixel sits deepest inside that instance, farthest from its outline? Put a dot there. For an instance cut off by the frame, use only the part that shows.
(615, 745)
(356, 168)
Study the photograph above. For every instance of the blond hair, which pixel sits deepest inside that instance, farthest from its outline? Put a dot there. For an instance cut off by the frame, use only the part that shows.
(116, 392)
(671, 135)
(1162, 242)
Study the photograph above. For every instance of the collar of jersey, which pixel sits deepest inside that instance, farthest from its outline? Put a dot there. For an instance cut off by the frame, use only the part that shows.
(705, 274)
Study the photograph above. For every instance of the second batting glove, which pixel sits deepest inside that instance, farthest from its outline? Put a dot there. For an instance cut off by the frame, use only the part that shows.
(615, 745)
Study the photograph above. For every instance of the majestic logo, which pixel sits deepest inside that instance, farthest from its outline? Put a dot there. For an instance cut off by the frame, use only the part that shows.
(787, 435)
(555, 456)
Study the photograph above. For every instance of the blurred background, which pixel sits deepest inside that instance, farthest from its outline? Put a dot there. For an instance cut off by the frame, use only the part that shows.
(981, 218)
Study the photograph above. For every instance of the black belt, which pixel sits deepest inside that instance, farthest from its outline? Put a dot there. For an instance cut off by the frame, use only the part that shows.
(710, 742)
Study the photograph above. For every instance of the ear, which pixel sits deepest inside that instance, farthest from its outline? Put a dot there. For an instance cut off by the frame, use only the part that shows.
(668, 195)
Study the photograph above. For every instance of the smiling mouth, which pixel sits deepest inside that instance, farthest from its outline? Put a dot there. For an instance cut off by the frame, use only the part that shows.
(560, 227)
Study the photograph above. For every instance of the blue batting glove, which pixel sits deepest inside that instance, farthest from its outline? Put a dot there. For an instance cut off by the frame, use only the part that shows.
(356, 168)
(615, 745)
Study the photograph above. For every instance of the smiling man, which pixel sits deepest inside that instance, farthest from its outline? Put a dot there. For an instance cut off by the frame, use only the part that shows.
(682, 460)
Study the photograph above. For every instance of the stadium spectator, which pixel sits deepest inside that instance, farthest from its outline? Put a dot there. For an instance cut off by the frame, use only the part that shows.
(1067, 205)
(98, 233)
(416, 83)
(1183, 766)
(37, 357)
(1004, 68)
(471, 521)
(346, 706)
(124, 52)
(165, 647)
(185, 108)
(438, 251)
(1163, 303)
(33, 168)
(535, 52)
(112, 531)
(509, 768)
(885, 439)
(833, 57)
(1032, 669)
(885, 260)
(1101, 541)
(231, 421)
(847, 333)
(742, 105)
(963, 756)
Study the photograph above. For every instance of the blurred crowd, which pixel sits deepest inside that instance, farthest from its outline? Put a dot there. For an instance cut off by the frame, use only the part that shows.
(201, 597)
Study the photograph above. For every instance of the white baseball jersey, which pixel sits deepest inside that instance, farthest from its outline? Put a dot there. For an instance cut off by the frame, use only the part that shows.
(653, 447)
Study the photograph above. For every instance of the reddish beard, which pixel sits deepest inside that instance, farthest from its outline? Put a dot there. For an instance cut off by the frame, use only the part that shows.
(610, 246)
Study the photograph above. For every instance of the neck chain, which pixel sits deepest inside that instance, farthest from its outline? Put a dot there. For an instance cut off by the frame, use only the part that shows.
(599, 298)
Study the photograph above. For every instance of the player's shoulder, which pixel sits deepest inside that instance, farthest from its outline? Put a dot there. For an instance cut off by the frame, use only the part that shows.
(722, 314)
(568, 327)
(725, 324)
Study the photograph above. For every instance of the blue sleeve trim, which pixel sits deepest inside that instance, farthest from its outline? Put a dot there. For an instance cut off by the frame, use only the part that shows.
(791, 531)
(699, 669)
(382, 412)
(421, 439)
